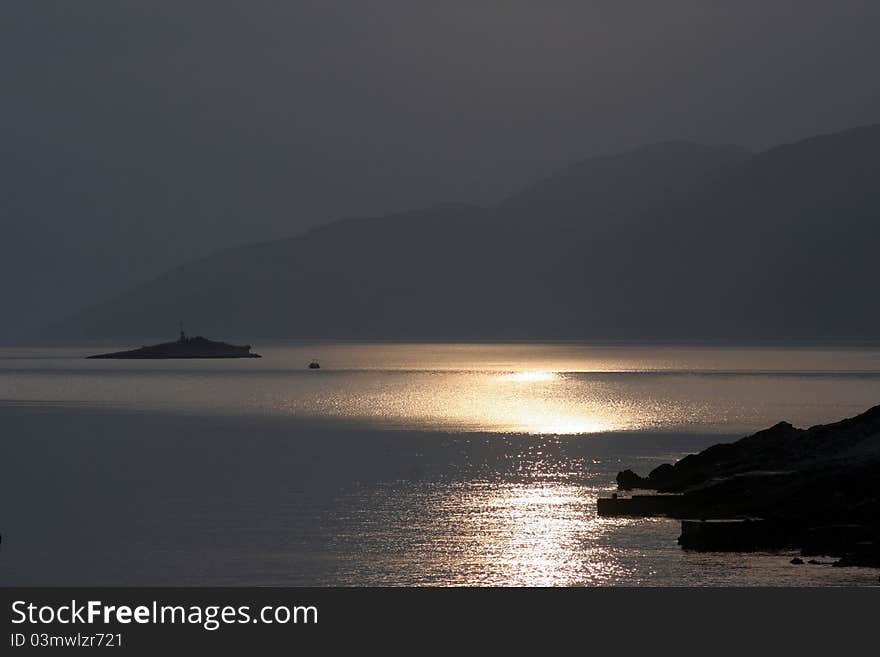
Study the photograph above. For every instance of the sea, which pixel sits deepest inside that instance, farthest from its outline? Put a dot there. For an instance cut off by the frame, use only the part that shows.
(394, 464)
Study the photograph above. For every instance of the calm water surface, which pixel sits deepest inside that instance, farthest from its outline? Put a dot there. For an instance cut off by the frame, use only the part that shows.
(393, 464)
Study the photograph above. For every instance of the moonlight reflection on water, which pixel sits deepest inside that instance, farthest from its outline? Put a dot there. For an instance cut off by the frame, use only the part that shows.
(393, 464)
(535, 389)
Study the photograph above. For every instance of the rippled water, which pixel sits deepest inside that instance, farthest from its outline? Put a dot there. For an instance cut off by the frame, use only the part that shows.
(535, 388)
(393, 464)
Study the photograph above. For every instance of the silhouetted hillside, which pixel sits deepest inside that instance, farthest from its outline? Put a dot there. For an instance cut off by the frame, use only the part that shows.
(603, 189)
(673, 241)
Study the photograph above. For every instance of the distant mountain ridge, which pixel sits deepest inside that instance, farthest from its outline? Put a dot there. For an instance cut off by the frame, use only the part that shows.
(602, 184)
(671, 241)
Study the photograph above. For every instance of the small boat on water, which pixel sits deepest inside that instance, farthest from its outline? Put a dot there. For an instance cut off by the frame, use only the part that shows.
(314, 365)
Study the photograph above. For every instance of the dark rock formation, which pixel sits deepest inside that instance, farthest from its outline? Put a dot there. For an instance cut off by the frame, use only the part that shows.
(864, 553)
(816, 488)
(627, 480)
(185, 347)
(738, 535)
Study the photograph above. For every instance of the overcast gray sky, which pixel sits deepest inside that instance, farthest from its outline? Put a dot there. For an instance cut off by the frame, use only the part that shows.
(136, 135)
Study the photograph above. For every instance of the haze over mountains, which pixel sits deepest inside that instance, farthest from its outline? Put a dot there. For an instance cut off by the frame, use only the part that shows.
(143, 136)
(670, 241)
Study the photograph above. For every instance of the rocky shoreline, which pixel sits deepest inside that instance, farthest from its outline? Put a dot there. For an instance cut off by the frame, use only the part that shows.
(816, 490)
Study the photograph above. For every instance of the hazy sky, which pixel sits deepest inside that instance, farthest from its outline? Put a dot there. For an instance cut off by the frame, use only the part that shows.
(136, 135)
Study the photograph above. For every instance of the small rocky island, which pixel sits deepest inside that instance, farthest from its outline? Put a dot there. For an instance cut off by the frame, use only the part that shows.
(186, 347)
(816, 490)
